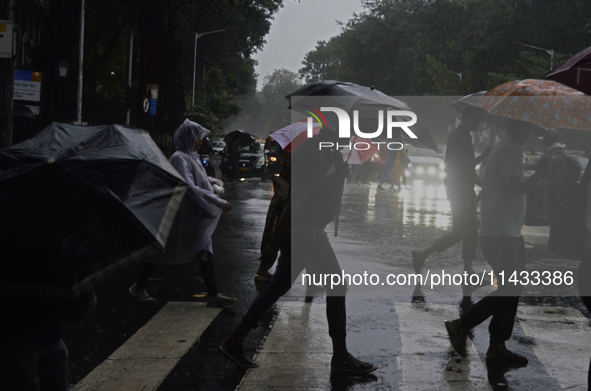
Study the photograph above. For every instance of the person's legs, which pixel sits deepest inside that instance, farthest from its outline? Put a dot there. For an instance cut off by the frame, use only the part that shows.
(207, 269)
(280, 283)
(459, 213)
(503, 254)
(138, 290)
(319, 258)
(470, 239)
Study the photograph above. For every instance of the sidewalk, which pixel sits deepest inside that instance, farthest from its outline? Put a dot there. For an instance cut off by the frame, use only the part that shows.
(536, 236)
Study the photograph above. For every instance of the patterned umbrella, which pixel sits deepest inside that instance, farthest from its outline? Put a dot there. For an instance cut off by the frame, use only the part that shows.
(544, 103)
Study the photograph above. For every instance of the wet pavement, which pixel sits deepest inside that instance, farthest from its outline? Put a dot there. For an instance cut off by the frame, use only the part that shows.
(398, 328)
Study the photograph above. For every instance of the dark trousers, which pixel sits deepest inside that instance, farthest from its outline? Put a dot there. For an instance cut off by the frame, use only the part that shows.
(315, 254)
(234, 163)
(583, 279)
(503, 254)
(465, 224)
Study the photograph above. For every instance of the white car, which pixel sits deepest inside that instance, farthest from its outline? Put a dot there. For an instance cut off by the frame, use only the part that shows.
(424, 163)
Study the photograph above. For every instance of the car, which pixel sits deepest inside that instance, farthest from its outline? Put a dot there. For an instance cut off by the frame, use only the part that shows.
(424, 163)
(252, 162)
(218, 147)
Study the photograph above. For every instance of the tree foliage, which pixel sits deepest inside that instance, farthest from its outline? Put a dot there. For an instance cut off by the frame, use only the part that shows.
(420, 47)
(163, 51)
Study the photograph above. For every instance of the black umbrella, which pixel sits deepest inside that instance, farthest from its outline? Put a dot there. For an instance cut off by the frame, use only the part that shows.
(80, 204)
(243, 137)
(367, 101)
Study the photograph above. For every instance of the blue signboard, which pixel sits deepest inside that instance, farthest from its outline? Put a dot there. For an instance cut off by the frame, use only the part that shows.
(153, 103)
(23, 75)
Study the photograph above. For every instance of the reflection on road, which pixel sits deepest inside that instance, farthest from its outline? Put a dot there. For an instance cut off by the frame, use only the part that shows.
(423, 202)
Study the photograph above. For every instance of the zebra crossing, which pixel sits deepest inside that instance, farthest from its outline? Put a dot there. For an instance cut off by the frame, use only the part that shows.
(296, 354)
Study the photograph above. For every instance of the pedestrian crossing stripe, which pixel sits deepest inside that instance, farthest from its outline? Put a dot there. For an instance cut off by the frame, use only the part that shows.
(562, 342)
(144, 361)
(298, 350)
(425, 349)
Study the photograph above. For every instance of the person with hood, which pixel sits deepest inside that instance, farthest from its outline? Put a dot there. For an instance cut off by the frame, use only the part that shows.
(197, 218)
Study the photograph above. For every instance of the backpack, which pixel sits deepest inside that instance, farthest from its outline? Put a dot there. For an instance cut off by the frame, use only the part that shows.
(568, 230)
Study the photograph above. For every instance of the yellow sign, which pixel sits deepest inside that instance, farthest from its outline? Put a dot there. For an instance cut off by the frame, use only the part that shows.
(36, 76)
(2, 27)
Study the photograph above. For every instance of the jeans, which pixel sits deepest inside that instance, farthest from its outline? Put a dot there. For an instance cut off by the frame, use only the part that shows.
(503, 254)
(464, 224)
(315, 254)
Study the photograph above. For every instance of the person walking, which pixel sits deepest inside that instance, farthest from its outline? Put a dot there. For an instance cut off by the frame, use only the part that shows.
(312, 204)
(502, 214)
(459, 182)
(393, 172)
(198, 217)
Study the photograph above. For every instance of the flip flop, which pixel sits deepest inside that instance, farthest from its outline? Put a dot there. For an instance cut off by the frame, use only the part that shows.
(238, 357)
(457, 343)
(350, 367)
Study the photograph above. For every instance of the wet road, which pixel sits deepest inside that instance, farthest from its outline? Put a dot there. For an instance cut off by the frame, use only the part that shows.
(387, 325)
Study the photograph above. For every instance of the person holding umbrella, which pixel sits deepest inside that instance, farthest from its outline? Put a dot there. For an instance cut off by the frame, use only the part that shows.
(300, 237)
(459, 183)
(198, 219)
(503, 215)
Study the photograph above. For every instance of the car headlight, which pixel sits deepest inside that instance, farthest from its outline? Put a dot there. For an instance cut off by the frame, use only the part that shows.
(431, 171)
(442, 166)
(272, 159)
(420, 170)
(260, 162)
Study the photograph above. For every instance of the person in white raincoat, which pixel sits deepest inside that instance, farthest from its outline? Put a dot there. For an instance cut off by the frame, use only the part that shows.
(198, 217)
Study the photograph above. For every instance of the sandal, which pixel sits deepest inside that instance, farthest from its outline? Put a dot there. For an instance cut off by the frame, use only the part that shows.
(238, 356)
(458, 343)
(352, 366)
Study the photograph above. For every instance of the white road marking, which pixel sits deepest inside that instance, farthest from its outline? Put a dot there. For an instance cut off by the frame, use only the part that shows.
(144, 361)
(562, 342)
(297, 352)
(426, 360)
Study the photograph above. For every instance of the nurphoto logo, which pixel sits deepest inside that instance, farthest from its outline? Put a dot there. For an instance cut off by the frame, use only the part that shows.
(393, 120)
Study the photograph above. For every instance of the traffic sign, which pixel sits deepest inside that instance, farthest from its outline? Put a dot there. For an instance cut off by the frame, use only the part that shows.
(146, 105)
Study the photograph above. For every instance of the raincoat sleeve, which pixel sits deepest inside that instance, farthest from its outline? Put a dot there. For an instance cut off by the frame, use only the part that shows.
(206, 199)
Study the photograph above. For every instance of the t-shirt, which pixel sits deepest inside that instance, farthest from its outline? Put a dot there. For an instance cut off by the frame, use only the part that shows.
(501, 215)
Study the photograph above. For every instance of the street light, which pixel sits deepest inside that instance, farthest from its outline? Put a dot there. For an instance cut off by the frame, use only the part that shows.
(197, 36)
(549, 51)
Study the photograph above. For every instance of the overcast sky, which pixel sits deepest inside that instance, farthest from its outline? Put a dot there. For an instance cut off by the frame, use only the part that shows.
(296, 29)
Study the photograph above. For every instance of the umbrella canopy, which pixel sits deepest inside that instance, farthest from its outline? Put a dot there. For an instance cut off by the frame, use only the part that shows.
(363, 150)
(242, 136)
(464, 102)
(574, 72)
(367, 101)
(544, 103)
(81, 204)
(293, 135)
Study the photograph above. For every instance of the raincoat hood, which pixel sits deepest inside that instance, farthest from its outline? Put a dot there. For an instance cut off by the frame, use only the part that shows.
(186, 136)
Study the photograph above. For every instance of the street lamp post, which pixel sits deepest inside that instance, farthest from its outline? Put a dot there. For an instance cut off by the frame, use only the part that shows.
(63, 72)
(197, 36)
(549, 51)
